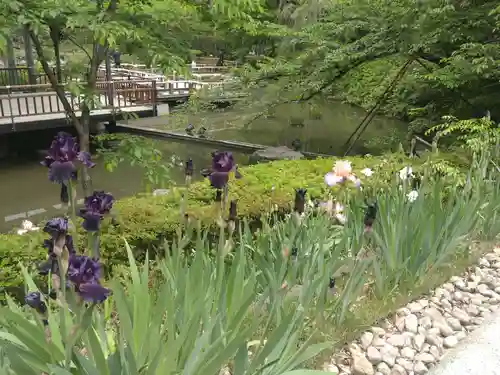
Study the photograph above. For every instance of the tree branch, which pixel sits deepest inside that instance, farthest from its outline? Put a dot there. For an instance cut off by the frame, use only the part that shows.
(58, 88)
(72, 40)
(308, 95)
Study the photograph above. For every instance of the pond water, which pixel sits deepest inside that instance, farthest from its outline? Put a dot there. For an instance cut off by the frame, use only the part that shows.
(25, 191)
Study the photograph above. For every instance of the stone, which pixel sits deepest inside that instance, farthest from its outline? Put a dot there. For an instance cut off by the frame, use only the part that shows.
(434, 314)
(446, 304)
(433, 340)
(377, 331)
(472, 310)
(450, 342)
(457, 296)
(389, 354)
(484, 290)
(483, 263)
(419, 368)
(397, 340)
(400, 323)
(415, 307)
(378, 342)
(411, 323)
(354, 348)
(366, 340)
(434, 351)
(373, 355)
(434, 331)
(383, 368)
(331, 368)
(361, 365)
(444, 329)
(477, 300)
(403, 311)
(418, 342)
(424, 303)
(449, 287)
(461, 316)
(275, 153)
(405, 363)
(407, 352)
(425, 322)
(460, 284)
(454, 323)
(477, 321)
(442, 293)
(398, 370)
(425, 358)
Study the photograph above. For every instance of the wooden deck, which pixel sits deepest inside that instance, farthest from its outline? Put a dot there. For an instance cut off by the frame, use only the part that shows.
(130, 91)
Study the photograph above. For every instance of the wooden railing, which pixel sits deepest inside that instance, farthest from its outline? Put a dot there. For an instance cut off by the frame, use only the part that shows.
(110, 95)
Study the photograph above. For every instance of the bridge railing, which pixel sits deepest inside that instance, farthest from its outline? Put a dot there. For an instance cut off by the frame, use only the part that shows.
(42, 100)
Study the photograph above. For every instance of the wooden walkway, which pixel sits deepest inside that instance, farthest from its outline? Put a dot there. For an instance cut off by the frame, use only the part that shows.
(130, 91)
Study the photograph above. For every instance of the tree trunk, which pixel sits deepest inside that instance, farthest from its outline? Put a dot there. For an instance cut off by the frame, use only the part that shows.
(55, 35)
(12, 76)
(28, 53)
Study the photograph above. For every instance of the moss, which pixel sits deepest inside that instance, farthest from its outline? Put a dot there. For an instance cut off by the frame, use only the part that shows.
(145, 221)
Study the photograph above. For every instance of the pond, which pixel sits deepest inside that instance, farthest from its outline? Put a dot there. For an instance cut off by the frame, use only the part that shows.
(25, 191)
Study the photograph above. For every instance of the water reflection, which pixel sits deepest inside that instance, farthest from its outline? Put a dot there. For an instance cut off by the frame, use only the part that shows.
(25, 191)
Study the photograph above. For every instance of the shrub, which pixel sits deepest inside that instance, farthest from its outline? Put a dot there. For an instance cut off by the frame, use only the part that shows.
(145, 221)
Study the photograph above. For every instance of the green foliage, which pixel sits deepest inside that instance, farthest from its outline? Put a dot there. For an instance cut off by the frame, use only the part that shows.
(240, 309)
(116, 149)
(475, 135)
(352, 52)
(145, 221)
(261, 310)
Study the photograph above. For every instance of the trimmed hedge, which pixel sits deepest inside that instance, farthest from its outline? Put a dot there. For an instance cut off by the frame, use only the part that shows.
(145, 221)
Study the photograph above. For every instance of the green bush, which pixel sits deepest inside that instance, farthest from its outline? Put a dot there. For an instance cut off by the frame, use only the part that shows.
(145, 221)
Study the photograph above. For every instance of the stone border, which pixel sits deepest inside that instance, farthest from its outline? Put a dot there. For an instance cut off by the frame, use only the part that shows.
(416, 338)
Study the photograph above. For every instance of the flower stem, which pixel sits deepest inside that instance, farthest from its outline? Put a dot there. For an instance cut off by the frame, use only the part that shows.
(93, 243)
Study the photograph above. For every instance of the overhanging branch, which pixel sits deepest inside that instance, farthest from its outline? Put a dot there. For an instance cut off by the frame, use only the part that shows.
(58, 88)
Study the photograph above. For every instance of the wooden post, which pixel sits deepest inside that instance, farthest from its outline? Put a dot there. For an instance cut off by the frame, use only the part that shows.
(154, 94)
(109, 78)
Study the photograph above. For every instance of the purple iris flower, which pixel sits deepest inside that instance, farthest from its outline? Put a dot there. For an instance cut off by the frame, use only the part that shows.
(34, 300)
(84, 273)
(222, 164)
(96, 206)
(56, 227)
(63, 152)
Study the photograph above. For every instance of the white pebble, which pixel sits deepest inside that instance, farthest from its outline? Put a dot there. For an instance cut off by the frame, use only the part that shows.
(450, 342)
(425, 357)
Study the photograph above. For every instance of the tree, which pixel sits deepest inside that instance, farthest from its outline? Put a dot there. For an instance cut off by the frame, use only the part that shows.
(159, 31)
(454, 45)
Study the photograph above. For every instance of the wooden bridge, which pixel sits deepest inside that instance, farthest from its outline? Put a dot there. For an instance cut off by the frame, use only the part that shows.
(25, 106)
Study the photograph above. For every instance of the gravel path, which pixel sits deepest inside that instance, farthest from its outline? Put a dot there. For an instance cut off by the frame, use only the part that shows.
(478, 354)
(420, 335)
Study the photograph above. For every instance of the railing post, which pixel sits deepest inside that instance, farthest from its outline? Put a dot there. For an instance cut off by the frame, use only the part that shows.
(9, 98)
(154, 98)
